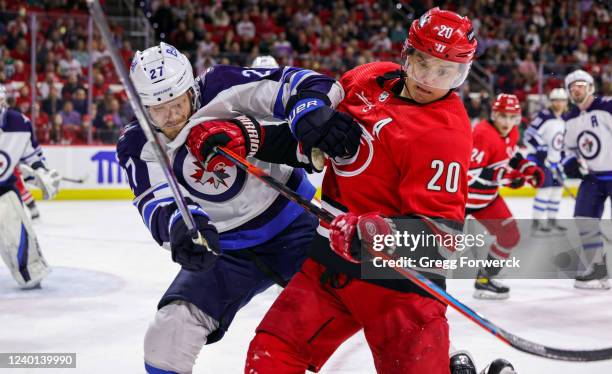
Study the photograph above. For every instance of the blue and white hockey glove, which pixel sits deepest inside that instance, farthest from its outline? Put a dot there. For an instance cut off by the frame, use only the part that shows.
(190, 255)
(316, 125)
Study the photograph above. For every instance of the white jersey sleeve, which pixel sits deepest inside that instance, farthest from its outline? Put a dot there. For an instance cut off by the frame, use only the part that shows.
(589, 135)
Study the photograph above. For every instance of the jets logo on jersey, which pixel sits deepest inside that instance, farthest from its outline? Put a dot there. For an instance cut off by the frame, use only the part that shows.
(557, 141)
(218, 181)
(5, 163)
(589, 145)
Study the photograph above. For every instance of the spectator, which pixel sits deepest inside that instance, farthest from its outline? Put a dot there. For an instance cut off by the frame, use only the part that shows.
(245, 28)
(42, 127)
(100, 86)
(79, 101)
(45, 87)
(68, 65)
(81, 54)
(20, 74)
(53, 103)
(69, 115)
(219, 16)
(71, 86)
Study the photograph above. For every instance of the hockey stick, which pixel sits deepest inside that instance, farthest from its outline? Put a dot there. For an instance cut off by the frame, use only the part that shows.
(560, 176)
(74, 180)
(144, 120)
(427, 285)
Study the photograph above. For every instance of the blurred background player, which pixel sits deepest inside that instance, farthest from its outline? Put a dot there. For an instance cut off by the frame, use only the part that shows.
(544, 140)
(255, 236)
(588, 141)
(18, 244)
(496, 162)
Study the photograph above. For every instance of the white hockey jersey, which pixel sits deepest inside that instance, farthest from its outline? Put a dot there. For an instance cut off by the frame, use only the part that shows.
(17, 144)
(545, 133)
(245, 211)
(589, 135)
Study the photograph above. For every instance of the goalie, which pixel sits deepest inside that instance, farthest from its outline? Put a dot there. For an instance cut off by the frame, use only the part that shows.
(18, 245)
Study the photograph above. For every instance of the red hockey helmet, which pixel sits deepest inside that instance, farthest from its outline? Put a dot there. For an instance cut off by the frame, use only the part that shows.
(506, 103)
(447, 44)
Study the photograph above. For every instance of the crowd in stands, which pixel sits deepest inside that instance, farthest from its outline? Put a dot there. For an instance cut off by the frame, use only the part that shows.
(525, 47)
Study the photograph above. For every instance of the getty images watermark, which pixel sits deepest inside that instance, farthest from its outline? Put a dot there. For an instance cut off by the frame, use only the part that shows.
(453, 244)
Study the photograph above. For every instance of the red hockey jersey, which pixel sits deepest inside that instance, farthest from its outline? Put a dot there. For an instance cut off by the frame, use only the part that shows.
(413, 159)
(491, 152)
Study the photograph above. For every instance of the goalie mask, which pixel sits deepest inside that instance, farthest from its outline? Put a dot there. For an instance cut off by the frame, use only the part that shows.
(439, 49)
(164, 80)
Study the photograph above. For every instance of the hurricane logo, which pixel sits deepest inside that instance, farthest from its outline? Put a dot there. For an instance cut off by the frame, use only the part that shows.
(589, 145)
(358, 163)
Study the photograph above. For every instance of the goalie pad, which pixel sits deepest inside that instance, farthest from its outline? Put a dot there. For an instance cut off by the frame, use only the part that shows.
(18, 245)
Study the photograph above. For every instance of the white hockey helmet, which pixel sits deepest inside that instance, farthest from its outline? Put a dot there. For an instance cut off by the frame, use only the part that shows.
(580, 76)
(264, 62)
(161, 74)
(557, 94)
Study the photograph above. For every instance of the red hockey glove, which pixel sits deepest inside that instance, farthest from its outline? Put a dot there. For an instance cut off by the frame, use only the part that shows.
(513, 179)
(533, 174)
(368, 227)
(242, 135)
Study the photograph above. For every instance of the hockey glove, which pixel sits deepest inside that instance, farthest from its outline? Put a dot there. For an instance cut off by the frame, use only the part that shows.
(243, 135)
(346, 244)
(47, 180)
(514, 179)
(539, 158)
(572, 168)
(192, 256)
(316, 125)
(533, 174)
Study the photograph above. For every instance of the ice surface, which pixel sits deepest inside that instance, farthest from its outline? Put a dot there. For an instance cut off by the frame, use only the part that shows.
(108, 275)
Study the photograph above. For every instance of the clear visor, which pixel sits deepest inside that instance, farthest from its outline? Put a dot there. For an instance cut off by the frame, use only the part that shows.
(433, 72)
(172, 114)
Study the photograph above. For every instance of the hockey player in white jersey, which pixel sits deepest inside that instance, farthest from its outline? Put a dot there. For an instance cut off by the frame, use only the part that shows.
(18, 244)
(544, 141)
(588, 141)
(256, 237)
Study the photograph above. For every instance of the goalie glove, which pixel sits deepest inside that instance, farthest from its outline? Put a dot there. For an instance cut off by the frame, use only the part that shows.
(47, 180)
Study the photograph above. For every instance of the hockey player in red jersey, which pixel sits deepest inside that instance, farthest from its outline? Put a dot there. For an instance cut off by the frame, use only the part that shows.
(412, 163)
(496, 162)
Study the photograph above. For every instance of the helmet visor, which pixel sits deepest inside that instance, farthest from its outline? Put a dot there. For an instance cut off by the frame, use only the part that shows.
(171, 114)
(433, 72)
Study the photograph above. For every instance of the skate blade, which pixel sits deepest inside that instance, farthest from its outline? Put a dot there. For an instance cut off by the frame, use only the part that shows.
(596, 284)
(488, 295)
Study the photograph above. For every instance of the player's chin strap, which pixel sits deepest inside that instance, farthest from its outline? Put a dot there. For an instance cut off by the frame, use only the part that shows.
(426, 284)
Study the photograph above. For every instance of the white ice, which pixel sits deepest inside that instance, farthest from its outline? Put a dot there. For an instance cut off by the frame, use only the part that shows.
(108, 275)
